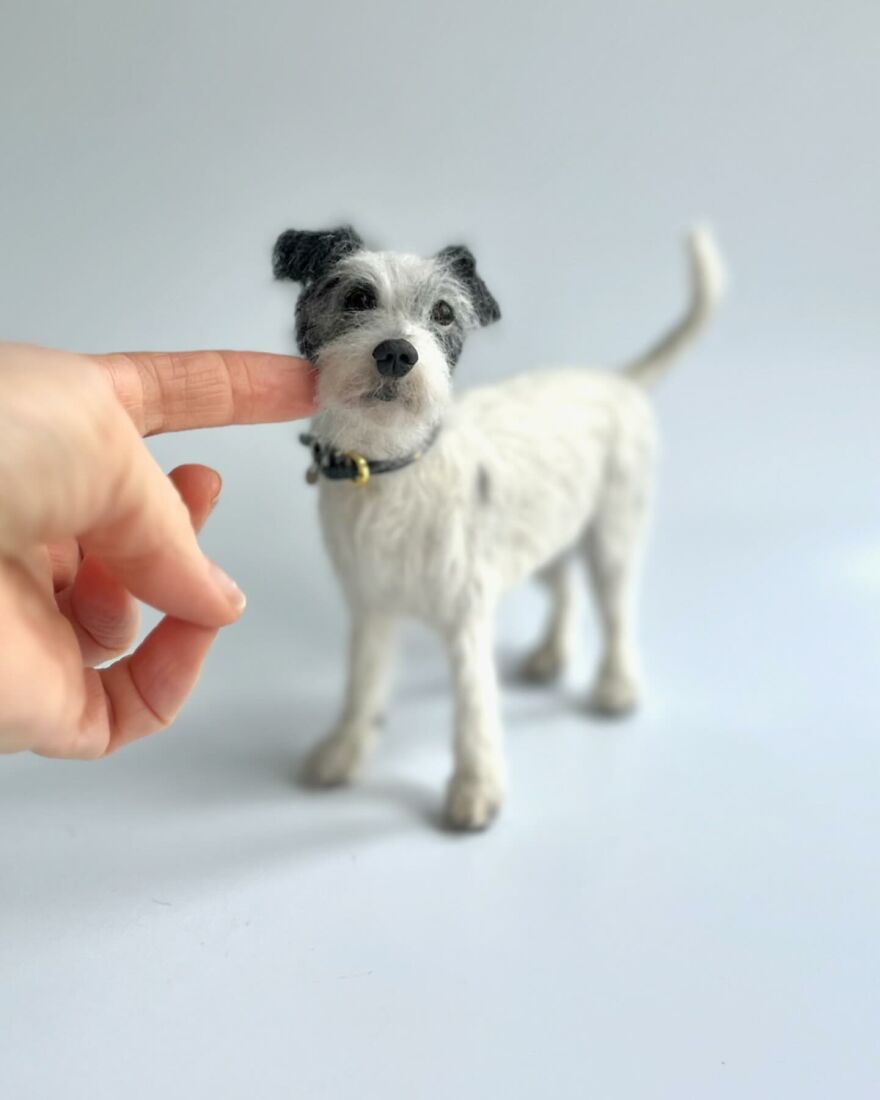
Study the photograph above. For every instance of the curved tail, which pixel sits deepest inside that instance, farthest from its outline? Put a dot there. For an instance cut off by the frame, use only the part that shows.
(707, 286)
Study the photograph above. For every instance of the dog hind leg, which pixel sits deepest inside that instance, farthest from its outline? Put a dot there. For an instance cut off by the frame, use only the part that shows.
(547, 661)
(613, 551)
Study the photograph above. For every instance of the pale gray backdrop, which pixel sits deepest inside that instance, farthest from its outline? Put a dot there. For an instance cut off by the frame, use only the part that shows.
(684, 905)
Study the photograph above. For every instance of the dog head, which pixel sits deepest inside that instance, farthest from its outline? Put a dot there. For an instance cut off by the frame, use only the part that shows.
(385, 331)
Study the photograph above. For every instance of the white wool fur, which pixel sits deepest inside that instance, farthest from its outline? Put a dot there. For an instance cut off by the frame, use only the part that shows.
(525, 477)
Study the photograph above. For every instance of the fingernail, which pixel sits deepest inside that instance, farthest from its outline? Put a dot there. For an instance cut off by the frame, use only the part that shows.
(217, 490)
(228, 587)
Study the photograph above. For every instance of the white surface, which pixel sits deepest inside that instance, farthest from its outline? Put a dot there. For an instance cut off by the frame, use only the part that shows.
(684, 905)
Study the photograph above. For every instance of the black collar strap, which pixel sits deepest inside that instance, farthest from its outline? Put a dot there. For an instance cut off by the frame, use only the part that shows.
(351, 466)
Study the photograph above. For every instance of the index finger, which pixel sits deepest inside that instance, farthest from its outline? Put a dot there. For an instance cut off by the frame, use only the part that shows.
(172, 391)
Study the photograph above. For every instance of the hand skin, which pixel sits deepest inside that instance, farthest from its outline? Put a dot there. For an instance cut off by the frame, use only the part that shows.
(89, 525)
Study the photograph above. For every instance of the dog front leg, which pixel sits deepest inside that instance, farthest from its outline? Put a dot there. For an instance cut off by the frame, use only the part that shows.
(476, 789)
(337, 759)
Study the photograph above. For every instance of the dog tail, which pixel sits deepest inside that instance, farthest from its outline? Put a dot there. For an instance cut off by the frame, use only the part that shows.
(707, 286)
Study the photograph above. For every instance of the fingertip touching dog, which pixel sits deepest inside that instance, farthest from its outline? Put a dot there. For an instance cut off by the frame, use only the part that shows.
(433, 508)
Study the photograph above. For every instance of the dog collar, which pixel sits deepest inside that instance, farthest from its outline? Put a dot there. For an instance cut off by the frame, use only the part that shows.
(351, 466)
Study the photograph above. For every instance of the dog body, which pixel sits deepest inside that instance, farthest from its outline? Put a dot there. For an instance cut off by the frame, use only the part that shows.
(511, 483)
(516, 479)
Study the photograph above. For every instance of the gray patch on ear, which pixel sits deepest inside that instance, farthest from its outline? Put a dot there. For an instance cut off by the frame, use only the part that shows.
(461, 262)
(305, 254)
(484, 486)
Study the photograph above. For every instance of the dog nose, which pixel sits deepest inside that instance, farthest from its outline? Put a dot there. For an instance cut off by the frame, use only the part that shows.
(395, 358)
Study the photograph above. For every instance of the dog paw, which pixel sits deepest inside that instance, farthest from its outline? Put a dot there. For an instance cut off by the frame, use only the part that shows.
(472, 802)
(542, 666)
(333, 762)
(615, 695)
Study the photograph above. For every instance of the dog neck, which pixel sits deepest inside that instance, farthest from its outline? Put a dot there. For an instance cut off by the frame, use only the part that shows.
(339, 430)
(338, 465)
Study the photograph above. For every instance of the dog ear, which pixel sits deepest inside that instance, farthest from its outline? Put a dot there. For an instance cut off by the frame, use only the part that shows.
(463, 265)
(305, 254)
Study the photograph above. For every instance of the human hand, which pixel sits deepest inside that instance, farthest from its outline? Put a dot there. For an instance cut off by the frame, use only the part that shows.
(89, 525)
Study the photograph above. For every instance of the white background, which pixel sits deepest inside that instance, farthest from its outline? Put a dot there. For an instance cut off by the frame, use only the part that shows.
(684, 905)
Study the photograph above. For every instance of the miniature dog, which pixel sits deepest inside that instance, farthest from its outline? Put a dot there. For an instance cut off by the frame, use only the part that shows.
(433, 509)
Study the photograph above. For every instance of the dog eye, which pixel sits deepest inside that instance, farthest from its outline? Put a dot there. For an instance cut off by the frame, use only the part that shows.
(360, 298)
(442, 313)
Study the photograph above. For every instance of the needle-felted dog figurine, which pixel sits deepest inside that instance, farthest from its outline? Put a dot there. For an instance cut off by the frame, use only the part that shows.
(433, 508)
